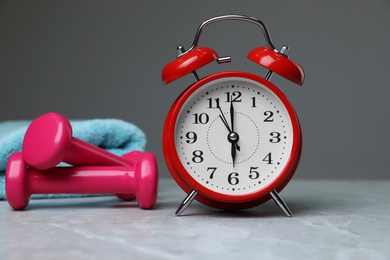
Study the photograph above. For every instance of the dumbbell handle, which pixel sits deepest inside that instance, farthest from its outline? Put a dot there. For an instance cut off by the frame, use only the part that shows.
(83, 153)
(83, 180)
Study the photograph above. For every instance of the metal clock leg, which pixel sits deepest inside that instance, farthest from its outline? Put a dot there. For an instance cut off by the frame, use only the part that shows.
(186, 202)
(279, 201)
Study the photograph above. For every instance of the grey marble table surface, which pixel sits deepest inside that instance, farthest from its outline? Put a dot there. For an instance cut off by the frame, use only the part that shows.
(331, 220)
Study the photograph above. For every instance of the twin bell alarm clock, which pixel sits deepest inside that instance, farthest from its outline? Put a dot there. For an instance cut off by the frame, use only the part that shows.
(232, 140)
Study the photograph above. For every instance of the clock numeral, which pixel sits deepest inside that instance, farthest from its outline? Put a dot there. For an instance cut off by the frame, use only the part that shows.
(233, 178)
(268, 158)
(233, 97)
(275, 137)
(253, 174)
(213, 102)
(213, 169)
(269, 115)
(197, 156)
(201, 118)
(253, 102)
(192, 137)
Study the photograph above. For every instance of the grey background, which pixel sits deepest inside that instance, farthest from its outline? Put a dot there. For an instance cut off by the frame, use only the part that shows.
(103, 59)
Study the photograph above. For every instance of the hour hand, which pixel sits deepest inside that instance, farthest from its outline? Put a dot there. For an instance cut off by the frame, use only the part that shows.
(233, 139)
(233, 150)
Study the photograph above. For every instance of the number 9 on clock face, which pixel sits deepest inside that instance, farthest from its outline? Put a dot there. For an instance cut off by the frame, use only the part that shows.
(233, 137)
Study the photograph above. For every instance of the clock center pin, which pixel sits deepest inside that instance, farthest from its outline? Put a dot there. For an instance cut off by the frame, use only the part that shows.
(233, 137)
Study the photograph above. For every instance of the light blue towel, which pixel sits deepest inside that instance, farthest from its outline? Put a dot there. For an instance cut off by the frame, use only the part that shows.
(113, 135)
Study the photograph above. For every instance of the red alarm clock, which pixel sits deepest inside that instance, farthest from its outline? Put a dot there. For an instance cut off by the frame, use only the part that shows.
(232, 140)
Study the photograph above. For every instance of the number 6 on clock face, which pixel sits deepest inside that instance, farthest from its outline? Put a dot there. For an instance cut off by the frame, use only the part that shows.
(233, 137)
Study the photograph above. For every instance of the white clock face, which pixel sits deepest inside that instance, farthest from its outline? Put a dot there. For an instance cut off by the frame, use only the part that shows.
(233, 136)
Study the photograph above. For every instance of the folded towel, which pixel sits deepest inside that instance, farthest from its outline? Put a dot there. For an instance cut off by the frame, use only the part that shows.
(113, 135)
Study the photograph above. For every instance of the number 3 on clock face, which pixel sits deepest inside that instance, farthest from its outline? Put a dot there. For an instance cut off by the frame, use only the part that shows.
(232, 137)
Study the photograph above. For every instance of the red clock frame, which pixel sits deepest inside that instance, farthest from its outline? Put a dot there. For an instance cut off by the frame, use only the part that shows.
(212, 198)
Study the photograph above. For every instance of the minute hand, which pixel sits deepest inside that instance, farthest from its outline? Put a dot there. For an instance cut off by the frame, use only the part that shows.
(232, 124)
(232, 115)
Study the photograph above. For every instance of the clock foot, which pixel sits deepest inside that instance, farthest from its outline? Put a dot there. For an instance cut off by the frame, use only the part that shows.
(186, 202)
(279, 201)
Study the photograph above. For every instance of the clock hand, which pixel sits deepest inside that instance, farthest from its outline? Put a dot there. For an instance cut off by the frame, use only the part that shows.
(224, 122)
(232, 124)
(223, 118)
(233, 150)
(232, 137)
(232, 115)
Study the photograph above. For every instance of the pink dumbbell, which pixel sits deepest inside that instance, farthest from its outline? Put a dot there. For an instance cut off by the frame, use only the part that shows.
(140, 180)
(49, 141)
